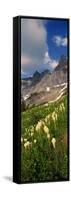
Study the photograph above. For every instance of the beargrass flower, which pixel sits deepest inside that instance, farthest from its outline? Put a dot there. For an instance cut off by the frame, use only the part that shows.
(48, 136)
(27, 144)
(47, 118)
(39, 125)
(35, 141)
(32, 133)
(54, 116)
(53, 141)
(46, 129)
(25, 139)
(62, 107)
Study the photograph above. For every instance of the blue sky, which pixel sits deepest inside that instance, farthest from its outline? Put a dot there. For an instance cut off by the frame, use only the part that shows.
(42, 44)
(56, 27)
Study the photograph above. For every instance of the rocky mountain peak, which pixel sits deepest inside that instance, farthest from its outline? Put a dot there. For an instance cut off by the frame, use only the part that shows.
(62, 63)
(36, 74)
(63, 60)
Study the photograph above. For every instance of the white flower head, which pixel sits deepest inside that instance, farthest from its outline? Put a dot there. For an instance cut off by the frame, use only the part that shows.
(39, 125)
(47, 118)
(46, 129)
(54, 116)
(32, 133)
(25, 139)
(62, 107)
(53, 141)
(35, 141)
(62, 104)
(27, 144)
(48, 136)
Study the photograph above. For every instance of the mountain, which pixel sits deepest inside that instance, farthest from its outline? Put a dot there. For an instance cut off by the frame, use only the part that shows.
(62, 63)
(36, 77)
(34, 90)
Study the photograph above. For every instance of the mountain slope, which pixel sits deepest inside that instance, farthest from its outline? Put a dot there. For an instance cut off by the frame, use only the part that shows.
(40, 88)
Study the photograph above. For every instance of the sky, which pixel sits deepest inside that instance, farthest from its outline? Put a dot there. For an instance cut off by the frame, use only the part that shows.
(43, 41)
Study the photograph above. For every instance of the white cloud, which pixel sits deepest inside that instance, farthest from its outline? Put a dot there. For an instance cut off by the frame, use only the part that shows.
(34, 48)
(33, 41)
(64, 42)
(60, 41)
(51, 62)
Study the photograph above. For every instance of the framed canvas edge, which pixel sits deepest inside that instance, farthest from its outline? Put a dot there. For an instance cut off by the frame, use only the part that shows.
(18, 18)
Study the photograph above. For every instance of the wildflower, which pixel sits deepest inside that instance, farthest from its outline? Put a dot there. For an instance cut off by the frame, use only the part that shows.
(35, 141)
(48, 136)
(25, 139)
(27, 144)
(42, 122)
(46, 130)
(53, 141)
(54, 116)
(39, 125)
(62, 104)
(21, 139)
(32, 133)
(62, 107)
(47, 118)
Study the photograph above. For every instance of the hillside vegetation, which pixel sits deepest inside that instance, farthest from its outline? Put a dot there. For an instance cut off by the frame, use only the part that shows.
(44, 150)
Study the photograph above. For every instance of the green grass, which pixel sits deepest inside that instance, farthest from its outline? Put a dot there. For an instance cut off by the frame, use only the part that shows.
(40, 160)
